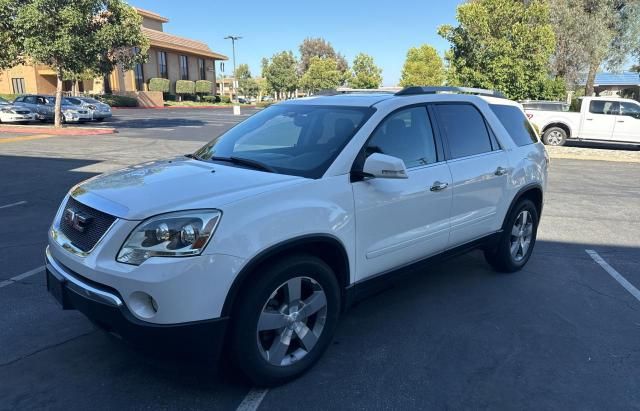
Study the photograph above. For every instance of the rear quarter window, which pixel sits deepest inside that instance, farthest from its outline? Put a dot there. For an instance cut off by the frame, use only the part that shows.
(516, 124)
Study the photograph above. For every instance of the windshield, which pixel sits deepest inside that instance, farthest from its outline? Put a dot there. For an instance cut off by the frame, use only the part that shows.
(301, 140)
(90, 100)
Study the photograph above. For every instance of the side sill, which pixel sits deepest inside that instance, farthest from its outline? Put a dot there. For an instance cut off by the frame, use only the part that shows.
(360, 290)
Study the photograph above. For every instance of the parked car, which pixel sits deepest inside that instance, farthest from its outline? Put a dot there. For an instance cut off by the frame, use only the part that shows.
(99, 110)
(243, 100)
(600, 119)
(544, 105)
(251, 243)
(43, 106)
(14, 114)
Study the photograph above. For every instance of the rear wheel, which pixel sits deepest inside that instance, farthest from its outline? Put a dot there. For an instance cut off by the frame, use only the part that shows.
(517, 240)
(554, 136)
(285, 320)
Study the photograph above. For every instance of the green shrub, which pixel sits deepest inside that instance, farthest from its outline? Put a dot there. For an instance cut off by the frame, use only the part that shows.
(225, 99)
(211, 99)
(185, 87)
(116, 101)
(169, 97)
(204, 87)
(9, 97)
(159, 84)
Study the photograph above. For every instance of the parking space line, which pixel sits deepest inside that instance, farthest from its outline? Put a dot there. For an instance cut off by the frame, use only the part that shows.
(613, 273)
(22, 276)
(24, 138)
(13, 204)
(252, 400)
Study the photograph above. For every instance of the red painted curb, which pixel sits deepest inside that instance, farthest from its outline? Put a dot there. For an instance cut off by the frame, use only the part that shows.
(57, 132)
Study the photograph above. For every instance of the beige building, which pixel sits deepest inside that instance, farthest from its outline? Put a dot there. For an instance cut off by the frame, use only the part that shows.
(170, 56)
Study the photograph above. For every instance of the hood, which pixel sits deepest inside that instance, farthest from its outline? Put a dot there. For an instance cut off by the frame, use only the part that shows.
(148, 189)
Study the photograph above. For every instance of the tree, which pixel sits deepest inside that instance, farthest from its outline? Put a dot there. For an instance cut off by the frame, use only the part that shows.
(636, 68)
(365, 72)
(76, 36)
(423, 67)
(246, 84)
(281, 73)
(609, 35)
(505, 45)
(319, 47)
(10, 36)
(322, 74)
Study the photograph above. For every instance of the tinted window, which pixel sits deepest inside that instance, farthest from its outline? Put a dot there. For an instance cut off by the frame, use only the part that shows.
(30, 100)
(406, 134)
(516, 124)
(294, 139)
(630, 109)
(604, 107)
(464, 128)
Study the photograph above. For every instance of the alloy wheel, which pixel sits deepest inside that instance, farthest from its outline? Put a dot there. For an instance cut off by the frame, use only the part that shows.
(554, 138)
(291, 321)
(521, 235)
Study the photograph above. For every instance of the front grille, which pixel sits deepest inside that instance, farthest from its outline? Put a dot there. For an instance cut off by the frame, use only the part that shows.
(22, 112)
(82, 112)
(94, 229)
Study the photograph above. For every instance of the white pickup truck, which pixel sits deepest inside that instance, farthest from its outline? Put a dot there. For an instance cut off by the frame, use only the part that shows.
(601, 119)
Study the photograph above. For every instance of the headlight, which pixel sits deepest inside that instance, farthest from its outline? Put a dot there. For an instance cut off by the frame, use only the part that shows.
(8, 111)
(179, 234)
(91, 107)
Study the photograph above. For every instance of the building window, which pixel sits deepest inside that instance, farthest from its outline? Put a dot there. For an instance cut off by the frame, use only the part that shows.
(202, 70)
(184, 68)
(139, 75)
(162, 65)
(18, 85)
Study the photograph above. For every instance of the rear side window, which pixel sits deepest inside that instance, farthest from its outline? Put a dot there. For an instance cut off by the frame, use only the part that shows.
(516, 124)
(464, 128)
(611, 108)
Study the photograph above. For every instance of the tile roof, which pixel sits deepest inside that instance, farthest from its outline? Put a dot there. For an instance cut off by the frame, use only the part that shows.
(171, 42)
(151, 15)
(625, 78)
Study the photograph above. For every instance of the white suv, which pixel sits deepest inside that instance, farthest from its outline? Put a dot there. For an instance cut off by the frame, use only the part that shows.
(262, 238)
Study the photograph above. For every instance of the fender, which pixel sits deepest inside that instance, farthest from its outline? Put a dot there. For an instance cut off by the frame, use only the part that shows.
(519, 195)
(264, 255)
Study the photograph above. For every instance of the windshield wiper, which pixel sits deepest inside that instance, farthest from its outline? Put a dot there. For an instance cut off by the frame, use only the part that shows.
(193, 156)
(245, 162)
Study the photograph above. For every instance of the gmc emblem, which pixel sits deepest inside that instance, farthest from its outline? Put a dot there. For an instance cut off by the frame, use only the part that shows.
(77, 220)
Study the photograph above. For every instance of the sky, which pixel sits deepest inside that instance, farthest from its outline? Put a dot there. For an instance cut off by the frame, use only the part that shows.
(384, 29)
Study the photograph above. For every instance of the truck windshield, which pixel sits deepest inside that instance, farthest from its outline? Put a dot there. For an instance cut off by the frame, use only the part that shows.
(301, 140)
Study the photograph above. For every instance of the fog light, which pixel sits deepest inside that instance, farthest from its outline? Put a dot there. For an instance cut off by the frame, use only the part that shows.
(143, 305)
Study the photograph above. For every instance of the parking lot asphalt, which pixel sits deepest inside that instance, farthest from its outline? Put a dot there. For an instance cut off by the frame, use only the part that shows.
(561, 334)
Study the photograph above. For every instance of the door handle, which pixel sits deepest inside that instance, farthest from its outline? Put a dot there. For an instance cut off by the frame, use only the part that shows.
(439, 186)
(500, 171)
(620, 121)
(589, 119)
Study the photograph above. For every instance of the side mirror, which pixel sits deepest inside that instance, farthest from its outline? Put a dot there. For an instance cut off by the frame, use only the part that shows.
(383, 166)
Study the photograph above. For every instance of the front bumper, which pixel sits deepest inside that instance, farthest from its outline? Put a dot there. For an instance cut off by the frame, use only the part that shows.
(105, 308)
(16, 118)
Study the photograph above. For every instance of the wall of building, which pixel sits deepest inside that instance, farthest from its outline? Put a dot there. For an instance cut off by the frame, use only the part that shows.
(151, 24)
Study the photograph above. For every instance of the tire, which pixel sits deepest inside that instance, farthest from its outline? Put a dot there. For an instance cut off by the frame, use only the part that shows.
(99, 120)
(261, 355)
(554, 136)
(502, 258)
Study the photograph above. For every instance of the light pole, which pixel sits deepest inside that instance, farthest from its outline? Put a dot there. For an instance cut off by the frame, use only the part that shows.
(233, 45)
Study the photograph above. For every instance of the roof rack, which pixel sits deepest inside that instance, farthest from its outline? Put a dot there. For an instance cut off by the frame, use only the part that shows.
(410, 91)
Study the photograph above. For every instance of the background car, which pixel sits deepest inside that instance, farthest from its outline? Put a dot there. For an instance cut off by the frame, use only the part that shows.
(14, 114)
(545, 105)
(44, 108)
(99, 110)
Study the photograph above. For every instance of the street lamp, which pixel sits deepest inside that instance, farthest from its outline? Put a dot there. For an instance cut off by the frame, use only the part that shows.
(233, 45)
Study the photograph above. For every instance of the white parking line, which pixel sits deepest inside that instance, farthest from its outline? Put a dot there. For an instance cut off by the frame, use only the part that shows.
(13, 204)
(613, 273)
(21, 276)
(252, 400)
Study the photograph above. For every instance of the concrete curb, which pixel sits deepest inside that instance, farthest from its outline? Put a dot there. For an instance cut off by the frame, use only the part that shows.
(67, 131)
(594, 154)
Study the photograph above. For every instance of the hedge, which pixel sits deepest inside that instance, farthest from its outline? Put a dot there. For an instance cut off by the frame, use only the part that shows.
(116, 101)
(185, 87)
(211, 99)
(9, 97)
(159, 84)
(204, 87)
(225, 99)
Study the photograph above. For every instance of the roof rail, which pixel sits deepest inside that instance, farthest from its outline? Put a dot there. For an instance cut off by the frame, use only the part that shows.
(409, 91)
(347, 90)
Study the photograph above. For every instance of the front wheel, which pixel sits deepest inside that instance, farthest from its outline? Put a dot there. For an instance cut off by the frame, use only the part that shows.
(285, 320)
(554, 136)
(517, 240)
